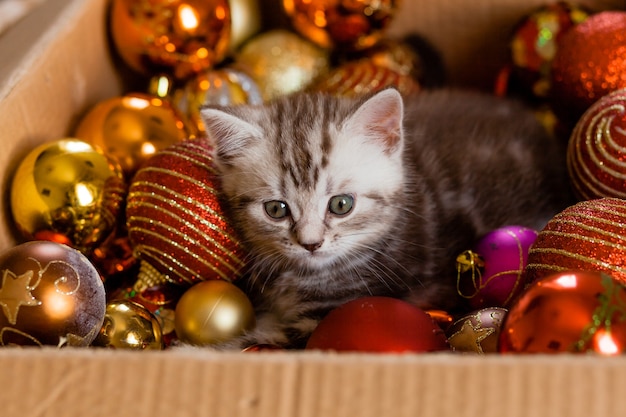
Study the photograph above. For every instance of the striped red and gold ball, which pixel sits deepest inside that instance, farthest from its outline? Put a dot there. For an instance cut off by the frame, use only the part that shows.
(175, 220)
(588, 236)
(596, 154)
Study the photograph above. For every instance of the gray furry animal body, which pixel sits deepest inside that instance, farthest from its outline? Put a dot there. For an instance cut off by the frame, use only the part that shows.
(339, 198)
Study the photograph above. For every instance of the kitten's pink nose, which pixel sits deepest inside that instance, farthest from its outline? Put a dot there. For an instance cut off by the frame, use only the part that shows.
(312, 247)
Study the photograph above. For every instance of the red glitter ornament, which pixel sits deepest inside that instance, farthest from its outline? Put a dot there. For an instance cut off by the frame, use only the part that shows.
(378, 324)
(596, 155)
(589, 235)
(589, 63)
(364, 76)
(175, 220)
(572, 311)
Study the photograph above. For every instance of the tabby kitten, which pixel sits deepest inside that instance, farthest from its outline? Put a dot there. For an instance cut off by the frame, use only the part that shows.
(339, 198)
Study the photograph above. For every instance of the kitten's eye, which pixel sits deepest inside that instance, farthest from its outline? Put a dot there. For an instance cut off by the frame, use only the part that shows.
(341, 204)
(276, 209)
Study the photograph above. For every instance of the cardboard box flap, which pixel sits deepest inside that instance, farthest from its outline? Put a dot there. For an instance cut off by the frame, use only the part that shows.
(98, 382)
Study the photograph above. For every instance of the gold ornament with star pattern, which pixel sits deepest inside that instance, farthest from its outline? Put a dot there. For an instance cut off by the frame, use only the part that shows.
(477, 332)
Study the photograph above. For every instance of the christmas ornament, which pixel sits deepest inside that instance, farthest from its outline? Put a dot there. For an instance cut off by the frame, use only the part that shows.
(245, 21)
(177, 37)
(221, 87)
(536, 40)
(133, 127)
(281, 62)
(362, 77)
(478, 331)
(571, 311)
(589, 63)
(596, 154)
(587, 236)
(212, 312)
(128, 325)
(398, 56)
(50, 294)
(68, 192)
(495, 278)
(152, 291)
(341, 24)
(174, 218)
(262, 348)
(378, 324)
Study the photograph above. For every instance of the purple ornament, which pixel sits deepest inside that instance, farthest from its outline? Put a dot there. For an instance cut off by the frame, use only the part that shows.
(499, 258)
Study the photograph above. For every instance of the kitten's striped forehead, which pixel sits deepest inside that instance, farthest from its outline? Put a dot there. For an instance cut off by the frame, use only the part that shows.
(301, 135)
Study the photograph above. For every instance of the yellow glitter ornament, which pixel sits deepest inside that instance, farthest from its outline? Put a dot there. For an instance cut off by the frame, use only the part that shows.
(282, 62)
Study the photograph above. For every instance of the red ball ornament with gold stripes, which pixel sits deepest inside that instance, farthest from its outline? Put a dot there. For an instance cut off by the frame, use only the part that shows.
(596, 154)
(588, 236)
(175, 220)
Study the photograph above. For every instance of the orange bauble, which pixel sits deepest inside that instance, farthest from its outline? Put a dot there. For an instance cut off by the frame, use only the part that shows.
(596, 154)
(589, 63)
(178, 37)
(589, 236)
(343, 24)
(132, 127)
(570, 311)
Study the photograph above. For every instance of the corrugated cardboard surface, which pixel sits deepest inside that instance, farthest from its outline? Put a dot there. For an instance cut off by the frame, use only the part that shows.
(90, 382)
(55, 64)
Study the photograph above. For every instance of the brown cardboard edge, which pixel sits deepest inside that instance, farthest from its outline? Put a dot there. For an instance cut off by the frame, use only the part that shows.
(47, 86)
(98, 382)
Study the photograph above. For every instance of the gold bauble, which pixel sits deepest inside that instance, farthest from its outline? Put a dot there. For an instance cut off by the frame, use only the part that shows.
(50, 294)
(342, 24)
(129, 325)
(223, 87)
(178, 37)
(131, 128)
(282, 62)
(245, 21)
(211, 312)
(69, 192)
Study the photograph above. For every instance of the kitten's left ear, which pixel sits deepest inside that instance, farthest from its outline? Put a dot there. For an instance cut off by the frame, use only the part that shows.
(380, 118)
(229, 130)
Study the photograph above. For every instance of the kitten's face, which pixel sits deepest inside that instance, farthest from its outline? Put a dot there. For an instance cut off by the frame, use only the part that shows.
(314, 182)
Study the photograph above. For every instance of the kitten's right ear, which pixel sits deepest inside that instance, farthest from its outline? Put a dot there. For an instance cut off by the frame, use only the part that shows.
(230, 133)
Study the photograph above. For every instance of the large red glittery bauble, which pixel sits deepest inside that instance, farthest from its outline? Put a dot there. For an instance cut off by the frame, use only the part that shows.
(596, 154)
(378, 324)
(589, 235)
(589, 63)
(570, 311)
(175, 220)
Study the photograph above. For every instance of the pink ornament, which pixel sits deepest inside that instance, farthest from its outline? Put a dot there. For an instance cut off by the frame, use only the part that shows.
(493, 275)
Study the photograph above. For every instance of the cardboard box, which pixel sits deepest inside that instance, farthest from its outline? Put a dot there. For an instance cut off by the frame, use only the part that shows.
(55, 64)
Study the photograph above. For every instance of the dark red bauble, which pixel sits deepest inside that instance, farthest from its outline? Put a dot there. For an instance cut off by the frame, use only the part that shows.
(378, 324)
(589, 63)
